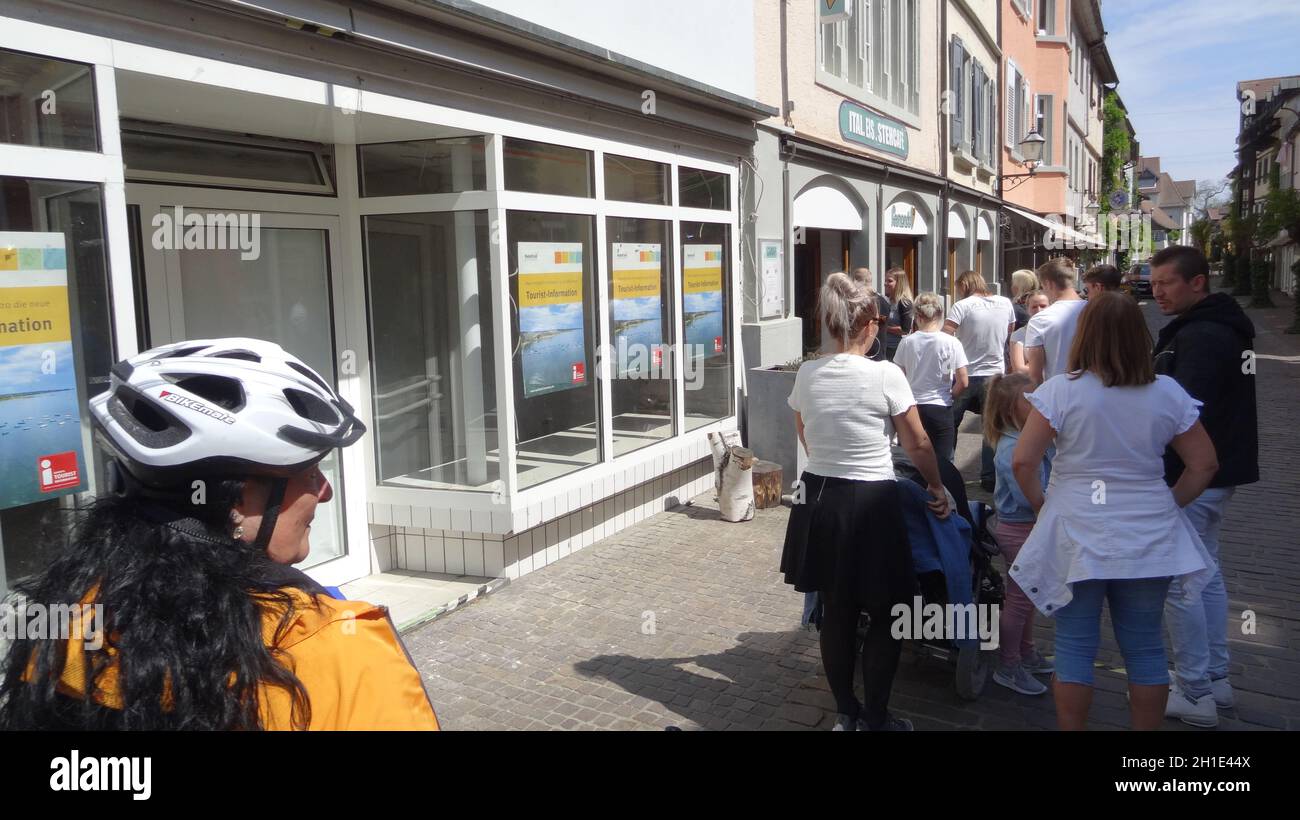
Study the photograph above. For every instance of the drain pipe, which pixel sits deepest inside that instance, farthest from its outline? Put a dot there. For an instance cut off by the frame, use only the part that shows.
(945, 154)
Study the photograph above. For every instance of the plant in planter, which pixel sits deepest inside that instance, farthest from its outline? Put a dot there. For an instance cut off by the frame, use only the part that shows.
(771, 433)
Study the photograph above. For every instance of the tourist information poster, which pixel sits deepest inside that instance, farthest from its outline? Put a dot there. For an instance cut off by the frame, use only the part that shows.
(636, 302)
(552, 335)
(40, 411)
(702, 299)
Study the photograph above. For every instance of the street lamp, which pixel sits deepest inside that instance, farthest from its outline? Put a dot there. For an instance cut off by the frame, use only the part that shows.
(1093, 207)
(1031, 149)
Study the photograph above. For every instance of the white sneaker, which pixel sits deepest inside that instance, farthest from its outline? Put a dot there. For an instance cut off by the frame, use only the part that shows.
(1223, 697)
(1199, 712)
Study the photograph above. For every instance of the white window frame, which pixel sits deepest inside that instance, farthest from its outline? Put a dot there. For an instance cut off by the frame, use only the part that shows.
(1043, 109)
(1039, 6)
(877, 56)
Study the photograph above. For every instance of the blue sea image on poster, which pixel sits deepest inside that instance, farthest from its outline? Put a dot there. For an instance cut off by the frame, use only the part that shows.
(39, 415)
(703, 314)
(638, 330)
(552, 343)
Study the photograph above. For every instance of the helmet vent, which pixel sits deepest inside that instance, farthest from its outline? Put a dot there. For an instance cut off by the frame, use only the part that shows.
(223, 391)
(245, 355)
(306, 371)
(183, 351)
(311, 407)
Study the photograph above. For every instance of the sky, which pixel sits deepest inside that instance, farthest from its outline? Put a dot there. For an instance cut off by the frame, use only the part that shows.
(1179, 62)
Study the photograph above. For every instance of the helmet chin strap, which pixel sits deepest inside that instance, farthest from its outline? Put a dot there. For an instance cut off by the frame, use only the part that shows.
(272, 512)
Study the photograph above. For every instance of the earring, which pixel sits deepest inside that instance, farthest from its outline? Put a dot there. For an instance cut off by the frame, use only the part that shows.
(239, 532)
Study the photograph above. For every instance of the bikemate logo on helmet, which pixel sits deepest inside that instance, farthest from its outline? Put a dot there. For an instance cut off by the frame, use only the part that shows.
(221, 408)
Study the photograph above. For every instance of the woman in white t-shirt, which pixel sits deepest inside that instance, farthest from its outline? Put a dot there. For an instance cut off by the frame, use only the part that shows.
(1109, 528)
(935, 365)
(1035, 301)
(846, 538)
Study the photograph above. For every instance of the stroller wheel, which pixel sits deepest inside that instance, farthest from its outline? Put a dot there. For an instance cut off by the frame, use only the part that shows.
(972, 671)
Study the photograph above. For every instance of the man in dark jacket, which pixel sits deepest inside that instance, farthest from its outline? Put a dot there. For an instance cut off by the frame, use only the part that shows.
(1208, 349)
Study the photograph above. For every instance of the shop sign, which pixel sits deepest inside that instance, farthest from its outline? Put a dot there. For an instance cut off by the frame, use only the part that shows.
(857, 124)
(40, 405)
(902, 217)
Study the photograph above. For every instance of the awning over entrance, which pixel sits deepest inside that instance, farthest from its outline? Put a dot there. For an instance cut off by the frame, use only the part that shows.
(825, 207)
(982, 231)
(1067, 236)
(956, 227)
(905, 218)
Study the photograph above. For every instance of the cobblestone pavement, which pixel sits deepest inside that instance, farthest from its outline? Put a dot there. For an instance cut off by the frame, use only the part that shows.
(684, 621)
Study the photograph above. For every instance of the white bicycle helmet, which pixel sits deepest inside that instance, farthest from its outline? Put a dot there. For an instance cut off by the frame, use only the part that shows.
(219, 408)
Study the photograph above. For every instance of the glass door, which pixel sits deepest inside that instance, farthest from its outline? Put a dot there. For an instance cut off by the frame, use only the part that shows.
(268, 276)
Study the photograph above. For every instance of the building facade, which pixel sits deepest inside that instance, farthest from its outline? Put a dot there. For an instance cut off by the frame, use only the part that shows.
(1055, 74)
(1267, 141)
(516, 251)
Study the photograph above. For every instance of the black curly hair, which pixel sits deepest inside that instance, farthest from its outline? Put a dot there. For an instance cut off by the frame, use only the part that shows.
(183, 607)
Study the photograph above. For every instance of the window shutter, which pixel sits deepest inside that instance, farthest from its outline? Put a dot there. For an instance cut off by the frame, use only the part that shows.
(1010, 127)
(956, 109)
(977, 107)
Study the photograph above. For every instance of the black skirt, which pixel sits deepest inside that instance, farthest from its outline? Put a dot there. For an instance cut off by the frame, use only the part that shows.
(847, 540)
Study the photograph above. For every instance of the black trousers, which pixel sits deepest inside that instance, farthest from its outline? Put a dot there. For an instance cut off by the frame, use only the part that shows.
(937, 421)
(880, 654)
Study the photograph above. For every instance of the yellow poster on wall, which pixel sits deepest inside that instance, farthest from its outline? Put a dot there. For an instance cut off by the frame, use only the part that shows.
(702, 309)
(40, 410)
(552, 331)
(636, 303)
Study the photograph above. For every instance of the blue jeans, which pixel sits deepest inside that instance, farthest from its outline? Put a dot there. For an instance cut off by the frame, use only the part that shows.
(1136, 605)
(1198, 629)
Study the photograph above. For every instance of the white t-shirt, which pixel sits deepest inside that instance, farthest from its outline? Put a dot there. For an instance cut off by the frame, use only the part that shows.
(983, 324)
(1052, 329)
(929, 358)
(1117, 434)
(1018, 336)
(847, 402)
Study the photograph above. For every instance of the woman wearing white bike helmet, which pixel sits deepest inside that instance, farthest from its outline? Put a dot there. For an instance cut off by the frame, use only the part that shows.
(214, 447)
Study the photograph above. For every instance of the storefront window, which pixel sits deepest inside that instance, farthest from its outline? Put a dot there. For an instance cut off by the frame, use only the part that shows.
(234, 163)
(706, 315)
(552, 279)
(641, 332)
(703, 189)
(542, 168)
(432, 338)
(422, 167)
(47, 102)
(636, 180)
(52, 269)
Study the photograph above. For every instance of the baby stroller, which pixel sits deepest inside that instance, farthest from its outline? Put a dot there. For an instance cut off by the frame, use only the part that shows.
(969, 577)
(953, 562)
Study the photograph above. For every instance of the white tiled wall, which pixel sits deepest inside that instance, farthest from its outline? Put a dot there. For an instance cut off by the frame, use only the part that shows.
(544, 538)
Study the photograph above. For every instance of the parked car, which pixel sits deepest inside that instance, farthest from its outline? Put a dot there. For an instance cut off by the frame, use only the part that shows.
(1139, 280)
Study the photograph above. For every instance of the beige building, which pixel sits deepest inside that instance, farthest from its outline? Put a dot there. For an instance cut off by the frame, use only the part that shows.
(851, 173)
(971, 134)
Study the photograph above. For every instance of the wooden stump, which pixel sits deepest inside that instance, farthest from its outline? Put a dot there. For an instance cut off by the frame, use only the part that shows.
(767, 484)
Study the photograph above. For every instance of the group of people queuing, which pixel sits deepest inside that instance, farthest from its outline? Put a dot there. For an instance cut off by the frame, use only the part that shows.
(1111, 459)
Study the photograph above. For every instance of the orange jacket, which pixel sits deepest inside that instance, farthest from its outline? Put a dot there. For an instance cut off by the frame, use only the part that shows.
(346, 653)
